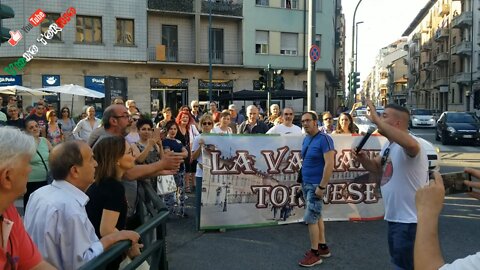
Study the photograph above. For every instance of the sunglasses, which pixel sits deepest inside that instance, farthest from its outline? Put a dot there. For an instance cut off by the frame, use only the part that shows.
(207, 123)
(195, 106)
(329, 118)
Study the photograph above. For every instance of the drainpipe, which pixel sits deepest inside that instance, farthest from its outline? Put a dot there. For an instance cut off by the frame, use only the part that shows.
(304, 31)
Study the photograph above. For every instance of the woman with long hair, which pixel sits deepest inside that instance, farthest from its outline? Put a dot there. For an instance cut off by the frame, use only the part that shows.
(67, 124)
(54, 133)
(186, 133)
(172, 143)
(345, 124)
(39, 162)
(107, 207)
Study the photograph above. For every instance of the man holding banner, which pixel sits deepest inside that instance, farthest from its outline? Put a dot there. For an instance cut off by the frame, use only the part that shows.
(403, 165)
(318, 154)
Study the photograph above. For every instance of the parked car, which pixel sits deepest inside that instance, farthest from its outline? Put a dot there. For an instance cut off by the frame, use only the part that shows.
(422, 118)
(458, 126)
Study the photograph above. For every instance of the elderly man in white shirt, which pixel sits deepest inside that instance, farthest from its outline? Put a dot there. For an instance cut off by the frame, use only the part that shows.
(287, 127)
(87, 125)
(56, 218)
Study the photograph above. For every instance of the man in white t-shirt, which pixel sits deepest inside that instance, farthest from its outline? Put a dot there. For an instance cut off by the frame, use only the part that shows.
(404, 168)
(287, 127)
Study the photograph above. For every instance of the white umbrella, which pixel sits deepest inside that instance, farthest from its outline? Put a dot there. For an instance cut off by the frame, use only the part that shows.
(73, 89)
(22, 90)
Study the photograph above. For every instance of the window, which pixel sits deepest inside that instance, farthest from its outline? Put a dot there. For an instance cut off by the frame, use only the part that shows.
(170, 40)
(125, 32)
(217, 46)
(318, 42)
(261, 2)
(290, 4)
(89, 30)
(49, 19)
(261, 42)
(289, 44)
(318, 6)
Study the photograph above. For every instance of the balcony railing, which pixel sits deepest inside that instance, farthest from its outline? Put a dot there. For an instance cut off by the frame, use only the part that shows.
(463, 48)
(441, 33)
(172, 5)
(224, 7)
(463, 77)
(443, 81)
(222, 57)
(440, 58)
(171, 55)
(463, 20)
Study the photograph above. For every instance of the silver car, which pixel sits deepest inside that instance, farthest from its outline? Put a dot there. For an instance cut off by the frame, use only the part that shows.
(422, 118)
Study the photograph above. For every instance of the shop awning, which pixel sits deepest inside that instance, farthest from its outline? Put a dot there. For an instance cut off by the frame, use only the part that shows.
(262, 95)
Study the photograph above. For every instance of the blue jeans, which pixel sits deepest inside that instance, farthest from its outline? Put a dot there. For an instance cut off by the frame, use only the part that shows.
(313, 204)
(401, 240)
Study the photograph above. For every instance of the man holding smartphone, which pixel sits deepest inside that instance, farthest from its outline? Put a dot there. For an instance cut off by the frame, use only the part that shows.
(318, 153)
(403, 165)
(429, 201)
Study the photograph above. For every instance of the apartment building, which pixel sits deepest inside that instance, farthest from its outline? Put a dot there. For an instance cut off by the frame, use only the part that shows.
(443, 60)
(156, 52)
(384, 82)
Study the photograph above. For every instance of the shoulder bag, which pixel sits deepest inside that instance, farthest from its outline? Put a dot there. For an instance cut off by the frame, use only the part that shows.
(49, 178)
(299, 176)
(166, 184)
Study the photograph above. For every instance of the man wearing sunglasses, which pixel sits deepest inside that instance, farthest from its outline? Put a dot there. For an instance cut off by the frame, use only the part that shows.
(403, 165)
(287, 127)
(17, 250)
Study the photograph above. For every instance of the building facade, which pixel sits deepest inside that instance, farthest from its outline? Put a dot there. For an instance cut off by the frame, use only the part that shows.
(443, 56)
(157, 51)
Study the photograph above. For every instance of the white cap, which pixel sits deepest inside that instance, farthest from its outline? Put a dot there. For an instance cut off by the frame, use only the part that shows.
(232, 107)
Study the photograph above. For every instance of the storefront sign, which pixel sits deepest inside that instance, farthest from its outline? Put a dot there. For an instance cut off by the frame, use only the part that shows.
(96, 83)
(6, 80)
(50, 80)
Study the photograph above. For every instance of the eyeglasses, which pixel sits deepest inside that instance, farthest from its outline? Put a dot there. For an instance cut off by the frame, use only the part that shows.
(195, 106)
(328, 118)
(288, 113)
(306, 120)
(207, 123)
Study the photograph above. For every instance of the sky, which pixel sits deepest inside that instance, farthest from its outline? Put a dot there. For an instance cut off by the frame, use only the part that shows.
(384, 22)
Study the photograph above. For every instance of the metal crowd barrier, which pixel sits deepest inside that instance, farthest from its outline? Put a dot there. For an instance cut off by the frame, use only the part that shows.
(153, 215)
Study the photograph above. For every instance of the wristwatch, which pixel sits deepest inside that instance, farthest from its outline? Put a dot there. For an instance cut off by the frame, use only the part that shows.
(322, 188)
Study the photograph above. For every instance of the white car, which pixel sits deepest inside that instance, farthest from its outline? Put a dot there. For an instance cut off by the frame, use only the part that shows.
(422, 118)
(363, 123)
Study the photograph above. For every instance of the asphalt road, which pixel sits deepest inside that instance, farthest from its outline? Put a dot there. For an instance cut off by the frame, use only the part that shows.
(354, 245)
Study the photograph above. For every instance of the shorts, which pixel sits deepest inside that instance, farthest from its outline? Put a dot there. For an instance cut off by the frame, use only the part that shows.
(401, 240)
(313, 204)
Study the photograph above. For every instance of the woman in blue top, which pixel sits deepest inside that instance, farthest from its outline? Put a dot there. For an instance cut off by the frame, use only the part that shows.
(172, 144)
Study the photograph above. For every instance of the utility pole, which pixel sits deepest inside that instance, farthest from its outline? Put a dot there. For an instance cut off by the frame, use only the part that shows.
(351, 94)
(311, 80)
(210, 54)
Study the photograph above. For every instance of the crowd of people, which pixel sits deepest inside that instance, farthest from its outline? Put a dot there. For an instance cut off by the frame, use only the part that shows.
(79, 180)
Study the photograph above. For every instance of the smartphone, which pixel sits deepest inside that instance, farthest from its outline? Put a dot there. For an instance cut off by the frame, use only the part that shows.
(454, 182)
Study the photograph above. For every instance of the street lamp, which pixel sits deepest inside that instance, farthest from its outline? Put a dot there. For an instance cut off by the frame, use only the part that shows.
(356, 44)
(352, 95)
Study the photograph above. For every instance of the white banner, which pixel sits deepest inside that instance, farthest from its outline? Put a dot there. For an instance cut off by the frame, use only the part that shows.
(251, 181)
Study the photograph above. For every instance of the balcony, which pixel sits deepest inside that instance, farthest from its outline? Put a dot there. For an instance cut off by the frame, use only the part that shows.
(161, 53)
(441, 34)
(221, 7)
(444, 10)
(426, 47)
(416, 36)
(462, 48)
(440, 58)
(426, 66)
(443, 81)
(463, 20)
(222, 57)
(463, 77)
(171, 5)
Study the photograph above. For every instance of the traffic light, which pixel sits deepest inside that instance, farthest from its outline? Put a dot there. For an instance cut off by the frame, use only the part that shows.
(6, 12)
(278, 80)
(263, 79)
(350, 82)
(356, 81)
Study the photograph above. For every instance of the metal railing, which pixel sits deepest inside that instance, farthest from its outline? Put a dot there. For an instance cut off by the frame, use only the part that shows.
(153, 216)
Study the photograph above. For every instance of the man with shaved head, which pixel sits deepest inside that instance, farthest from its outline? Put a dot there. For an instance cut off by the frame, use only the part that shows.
(403, 165)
